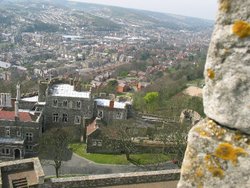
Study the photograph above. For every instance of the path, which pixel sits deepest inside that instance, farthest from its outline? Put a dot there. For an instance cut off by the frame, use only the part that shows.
(79, 165)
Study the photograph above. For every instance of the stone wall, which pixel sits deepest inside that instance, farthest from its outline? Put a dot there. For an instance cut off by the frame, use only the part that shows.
(31, 165)
(218, 152)
(22, 127)
(113, 179)
(85, 111)
(110, 114)
(18, 130)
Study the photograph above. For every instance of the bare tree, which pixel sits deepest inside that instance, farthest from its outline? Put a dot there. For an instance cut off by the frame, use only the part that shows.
(120, 133)
(53, 146)
(174, 137)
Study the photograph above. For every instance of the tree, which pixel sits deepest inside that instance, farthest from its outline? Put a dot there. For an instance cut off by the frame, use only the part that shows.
(175, 136)
(110, 87)
(138, 101)
(53, 145)
(121, 133)
(151, 99)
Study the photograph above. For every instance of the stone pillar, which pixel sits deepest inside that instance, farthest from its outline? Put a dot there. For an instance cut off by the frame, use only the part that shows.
(16, 110)
(18, 92)
(218, 151)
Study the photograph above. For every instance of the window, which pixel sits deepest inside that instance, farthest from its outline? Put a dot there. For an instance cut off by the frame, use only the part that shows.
(65, 103)
(29, 137)
(100, 114)
(5, 99)
(38, 109)
(118, 115)
(55, 102)
(29, 147)
(5, 151)
(18, 133)
(99, 143)
(77, 119)
(70, 104)
(96, 142)
(78, 104)
(55, 117)
(65, 118)
(7, 131)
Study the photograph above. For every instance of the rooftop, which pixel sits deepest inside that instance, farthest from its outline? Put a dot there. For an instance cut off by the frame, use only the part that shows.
(4, 65)
(10, 116)
(30, 99)
(66, 90)
(106, 103)
(11, 141)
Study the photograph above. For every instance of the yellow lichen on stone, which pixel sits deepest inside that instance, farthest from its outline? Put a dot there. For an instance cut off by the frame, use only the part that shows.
(216, 171)
(248, 141)
(210, 73)
(216, 130)
(213, 167)
(225, 5)
(200, 185)
(202, 132)
(199, 172)
(238, 136)
(227, 152)
(241, 28)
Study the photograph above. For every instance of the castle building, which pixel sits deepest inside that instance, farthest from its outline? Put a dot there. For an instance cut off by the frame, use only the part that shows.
(19, 132)
(60, 103)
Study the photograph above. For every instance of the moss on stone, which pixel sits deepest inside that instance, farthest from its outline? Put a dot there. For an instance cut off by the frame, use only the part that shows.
(241, 29)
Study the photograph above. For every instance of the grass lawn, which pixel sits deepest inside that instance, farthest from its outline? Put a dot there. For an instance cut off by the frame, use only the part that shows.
(141, 159)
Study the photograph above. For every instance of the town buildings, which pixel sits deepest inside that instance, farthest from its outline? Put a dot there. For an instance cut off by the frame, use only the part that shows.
(60, 103)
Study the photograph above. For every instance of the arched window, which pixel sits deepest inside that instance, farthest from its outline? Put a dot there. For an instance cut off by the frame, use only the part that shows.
(65, 118)
(65, 104)
(55, 102)
(78, 104)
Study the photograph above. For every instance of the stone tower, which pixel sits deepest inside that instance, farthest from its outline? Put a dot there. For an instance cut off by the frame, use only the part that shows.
(218, 151)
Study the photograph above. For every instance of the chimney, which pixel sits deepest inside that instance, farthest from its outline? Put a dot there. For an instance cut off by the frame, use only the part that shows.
(16, 111)
(71, 81)
(111, 103)
(75, 83)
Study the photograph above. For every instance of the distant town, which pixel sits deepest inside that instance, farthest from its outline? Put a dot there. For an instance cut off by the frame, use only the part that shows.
(98, 79)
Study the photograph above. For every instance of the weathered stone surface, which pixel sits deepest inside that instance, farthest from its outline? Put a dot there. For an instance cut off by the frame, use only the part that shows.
(216, 157)
(227, 71)
(190, 116)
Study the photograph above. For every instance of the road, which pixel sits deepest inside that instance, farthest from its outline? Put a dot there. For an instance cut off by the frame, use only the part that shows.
(79, 165)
